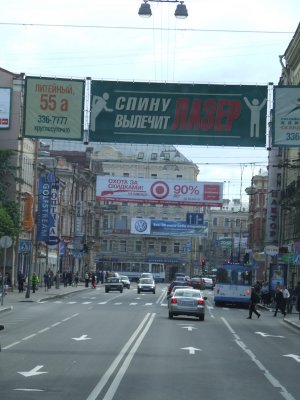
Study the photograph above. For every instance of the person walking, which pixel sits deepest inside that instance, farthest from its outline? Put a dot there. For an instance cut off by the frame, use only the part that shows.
(279, 301)
(34, 282)
(21, 282)
(87, 279)
(286, 297)
(254, 299)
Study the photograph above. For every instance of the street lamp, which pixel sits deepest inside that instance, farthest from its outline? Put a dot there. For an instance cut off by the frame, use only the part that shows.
(180, 12)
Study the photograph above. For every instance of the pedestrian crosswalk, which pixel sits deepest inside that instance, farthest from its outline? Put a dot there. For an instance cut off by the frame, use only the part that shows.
(102, 303)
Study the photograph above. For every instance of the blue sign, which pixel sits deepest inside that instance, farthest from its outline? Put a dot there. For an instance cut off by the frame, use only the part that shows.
(24, 247)
(194, 218)
(177, 228)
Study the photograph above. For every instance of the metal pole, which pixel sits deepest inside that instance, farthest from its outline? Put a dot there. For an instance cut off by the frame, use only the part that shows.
(3, 276)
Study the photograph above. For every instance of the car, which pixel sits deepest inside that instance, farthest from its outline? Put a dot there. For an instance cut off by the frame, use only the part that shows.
(147, 275)
(146, 285)
(125, 280)
(176, 283)
(173, 290)
(114, 283)
(196, 283)
(187, 302)
(208, 283)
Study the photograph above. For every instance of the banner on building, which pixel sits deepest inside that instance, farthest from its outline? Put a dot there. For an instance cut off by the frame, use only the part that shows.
(154, 227)
(28, 220)
(286, 121)
(183, 114)
(159, 191)
(54, 108)
(5, 107)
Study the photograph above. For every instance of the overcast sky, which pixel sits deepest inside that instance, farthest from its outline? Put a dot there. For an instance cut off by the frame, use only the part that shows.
(231, 42)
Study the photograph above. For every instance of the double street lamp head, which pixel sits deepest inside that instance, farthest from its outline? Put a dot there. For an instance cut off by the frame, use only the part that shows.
(180, 12)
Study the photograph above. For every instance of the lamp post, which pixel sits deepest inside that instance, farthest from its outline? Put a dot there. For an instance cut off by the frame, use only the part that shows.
(180, 12)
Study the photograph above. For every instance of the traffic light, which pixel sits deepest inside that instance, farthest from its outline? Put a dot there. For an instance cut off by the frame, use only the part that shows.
(203, 263)
(246, 258)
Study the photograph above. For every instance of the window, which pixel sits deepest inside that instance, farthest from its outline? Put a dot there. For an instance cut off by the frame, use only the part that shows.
(167, 156)
(176, 247)
(237, 223)
(154, 176)
(163, 247)
(140, 155)
(123, 246)
(138, 246)
(215, 221)
(107, 221)
(179, 176)
(226, 223)
(126, 174)
(151, 247)
(154, 156)
(104, 245)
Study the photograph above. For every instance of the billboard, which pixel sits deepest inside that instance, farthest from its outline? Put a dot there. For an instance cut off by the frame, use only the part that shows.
(183, 114)
(159, 191)
(54, 108)
(286, 121)
(5, 102)
(154, 227)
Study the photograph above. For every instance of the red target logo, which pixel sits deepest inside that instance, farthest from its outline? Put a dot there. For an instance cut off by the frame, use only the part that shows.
(159, 190)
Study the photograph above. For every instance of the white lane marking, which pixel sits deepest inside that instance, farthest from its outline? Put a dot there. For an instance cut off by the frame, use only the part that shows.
(56, 324)
(86, 302)
(116, 382)
(29, 390)
(40, 331)
(82, 337)
(57, 302)
(103, 302)
(133, 304)
(71, 302)
(191, 350)
(34, 371)
(117, 304)
(294, 356)
(274, 382)
(148, 304)
(102, 382)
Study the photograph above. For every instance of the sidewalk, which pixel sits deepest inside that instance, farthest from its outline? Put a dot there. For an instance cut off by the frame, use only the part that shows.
(13, 298)
(292, 319)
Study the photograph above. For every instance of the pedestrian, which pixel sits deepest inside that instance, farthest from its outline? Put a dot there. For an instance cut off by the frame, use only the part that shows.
(34, 282)
(76, 279)
(86, 279)
(254, 299)
(279, 301)
(94, 281)
(21, 282)
(286, 297)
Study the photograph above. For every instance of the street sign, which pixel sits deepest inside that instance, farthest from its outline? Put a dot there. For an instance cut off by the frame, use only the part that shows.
(271, 250)
(194, 218)
(5, 242)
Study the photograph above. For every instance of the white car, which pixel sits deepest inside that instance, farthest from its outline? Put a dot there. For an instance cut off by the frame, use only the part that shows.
(146, 285)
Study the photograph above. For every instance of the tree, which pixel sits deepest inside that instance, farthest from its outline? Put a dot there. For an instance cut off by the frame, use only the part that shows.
(9, 210)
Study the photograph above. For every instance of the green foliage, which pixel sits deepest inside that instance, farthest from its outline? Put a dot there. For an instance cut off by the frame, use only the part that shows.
(9, 212)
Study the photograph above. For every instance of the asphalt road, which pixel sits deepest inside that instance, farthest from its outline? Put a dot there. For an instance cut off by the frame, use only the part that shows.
(92, 345)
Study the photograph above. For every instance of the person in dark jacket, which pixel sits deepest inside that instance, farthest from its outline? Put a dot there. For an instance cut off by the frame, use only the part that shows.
(279, 301)
(254, 299)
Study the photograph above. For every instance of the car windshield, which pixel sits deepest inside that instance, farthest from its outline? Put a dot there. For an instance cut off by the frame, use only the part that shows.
(187, 293)
(113, 280)
(146, 280)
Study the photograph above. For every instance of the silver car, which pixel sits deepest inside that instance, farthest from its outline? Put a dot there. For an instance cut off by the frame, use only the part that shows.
(146, 285)
(188, 302)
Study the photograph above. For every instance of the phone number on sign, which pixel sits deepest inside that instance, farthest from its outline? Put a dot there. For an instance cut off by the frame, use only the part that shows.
(46, 119)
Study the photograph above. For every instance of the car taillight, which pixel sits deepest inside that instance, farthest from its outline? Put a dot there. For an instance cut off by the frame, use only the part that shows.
(200, 302)
(173, 300)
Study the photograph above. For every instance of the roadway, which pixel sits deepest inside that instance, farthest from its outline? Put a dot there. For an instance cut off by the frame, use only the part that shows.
(92, 345)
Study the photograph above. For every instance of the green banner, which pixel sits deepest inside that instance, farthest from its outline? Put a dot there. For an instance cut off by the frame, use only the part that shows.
(54, 108)
(186, 114)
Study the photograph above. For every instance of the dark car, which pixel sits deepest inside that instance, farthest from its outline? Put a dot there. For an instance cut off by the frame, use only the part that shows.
(176, 283)
(196, 283)
(114, 283)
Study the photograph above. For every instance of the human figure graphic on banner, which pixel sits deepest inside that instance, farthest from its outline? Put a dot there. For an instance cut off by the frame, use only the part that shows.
(98, 105)
(255, 108)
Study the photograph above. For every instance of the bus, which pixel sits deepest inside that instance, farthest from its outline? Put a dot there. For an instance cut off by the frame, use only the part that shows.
(233, 285)
(135, 269)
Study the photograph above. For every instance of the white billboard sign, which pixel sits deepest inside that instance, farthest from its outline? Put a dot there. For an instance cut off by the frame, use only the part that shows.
(286, 122)
(159, 191)
(5, 102)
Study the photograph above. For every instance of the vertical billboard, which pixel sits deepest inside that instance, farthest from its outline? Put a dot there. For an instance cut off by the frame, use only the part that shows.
(286, 121)
(5, 105)
(54, 108)
(183, 114)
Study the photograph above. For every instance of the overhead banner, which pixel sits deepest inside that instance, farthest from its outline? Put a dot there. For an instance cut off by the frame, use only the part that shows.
(159, 191)
(5, 103)
(183, 114)
(54, 108)
(154, 227)
(286, 120)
